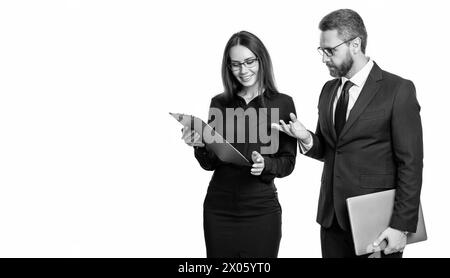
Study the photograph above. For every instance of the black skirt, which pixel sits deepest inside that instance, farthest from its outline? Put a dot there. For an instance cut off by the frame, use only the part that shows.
(242, 224)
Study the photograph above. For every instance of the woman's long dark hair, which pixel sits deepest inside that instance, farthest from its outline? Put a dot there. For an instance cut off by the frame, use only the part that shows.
(265, 76)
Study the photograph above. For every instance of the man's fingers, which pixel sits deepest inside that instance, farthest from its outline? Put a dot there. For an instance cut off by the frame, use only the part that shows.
(292, 129)
(258, 165)
(395, 249)
(293, 117)
(286, 128)
(376, 249)
(388, 251)
(288, 131)
(281, 128)
(276, 126)
(284, 125)
(379, 239)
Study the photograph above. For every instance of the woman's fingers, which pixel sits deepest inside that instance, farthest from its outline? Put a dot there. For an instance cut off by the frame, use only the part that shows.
(256, 172)
(192, 138)
(196, 136)
(188, 136)
(185, 132)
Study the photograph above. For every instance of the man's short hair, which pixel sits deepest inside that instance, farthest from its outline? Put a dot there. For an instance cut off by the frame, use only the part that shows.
(348, 23)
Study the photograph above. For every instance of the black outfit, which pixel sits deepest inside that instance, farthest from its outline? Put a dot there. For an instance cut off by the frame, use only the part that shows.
(379, 148)
(242, 215)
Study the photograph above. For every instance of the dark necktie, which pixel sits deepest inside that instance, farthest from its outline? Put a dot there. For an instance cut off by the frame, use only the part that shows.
(341, 108)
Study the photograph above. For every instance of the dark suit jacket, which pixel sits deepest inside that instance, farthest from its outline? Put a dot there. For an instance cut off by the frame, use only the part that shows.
(379, 148)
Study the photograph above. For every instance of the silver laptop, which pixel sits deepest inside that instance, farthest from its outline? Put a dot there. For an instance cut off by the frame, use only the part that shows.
(370, 215)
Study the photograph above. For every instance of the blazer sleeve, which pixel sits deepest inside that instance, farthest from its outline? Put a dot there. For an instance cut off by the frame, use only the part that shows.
(282, 163)
(317, 149)
(407, 146)
(206, 158)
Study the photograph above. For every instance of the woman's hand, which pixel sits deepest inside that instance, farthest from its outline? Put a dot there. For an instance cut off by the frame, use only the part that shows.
(191, 137)
(258, 165)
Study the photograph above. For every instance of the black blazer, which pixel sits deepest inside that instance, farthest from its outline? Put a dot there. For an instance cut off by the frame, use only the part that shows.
(379, 148)
(279, 164)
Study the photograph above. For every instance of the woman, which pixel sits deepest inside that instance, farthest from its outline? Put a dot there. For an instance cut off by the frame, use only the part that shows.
(242, 215)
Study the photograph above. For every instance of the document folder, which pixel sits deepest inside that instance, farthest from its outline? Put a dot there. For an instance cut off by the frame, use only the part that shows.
(213, 140)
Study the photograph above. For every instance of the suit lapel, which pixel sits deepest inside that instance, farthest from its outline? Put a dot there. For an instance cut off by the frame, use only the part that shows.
(328, 109)
(368, 92)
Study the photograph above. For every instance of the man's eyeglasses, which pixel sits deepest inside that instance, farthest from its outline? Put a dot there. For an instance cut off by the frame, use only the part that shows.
(329, 51)
(248, 63)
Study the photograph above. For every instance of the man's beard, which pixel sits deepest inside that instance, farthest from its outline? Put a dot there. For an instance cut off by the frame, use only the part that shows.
(343, 69)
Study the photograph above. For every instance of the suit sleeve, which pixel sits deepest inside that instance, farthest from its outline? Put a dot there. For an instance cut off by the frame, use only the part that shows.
(206, 158)
(282, 163)
(407, 146)
(317, 149)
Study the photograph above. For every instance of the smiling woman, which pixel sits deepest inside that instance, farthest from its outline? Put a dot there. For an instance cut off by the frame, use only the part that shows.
(242, 215)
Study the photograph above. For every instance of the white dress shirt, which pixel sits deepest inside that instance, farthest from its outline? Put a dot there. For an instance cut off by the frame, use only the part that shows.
(359, 79)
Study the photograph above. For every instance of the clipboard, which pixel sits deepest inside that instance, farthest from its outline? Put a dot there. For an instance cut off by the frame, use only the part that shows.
(370, 215)
(212, 139)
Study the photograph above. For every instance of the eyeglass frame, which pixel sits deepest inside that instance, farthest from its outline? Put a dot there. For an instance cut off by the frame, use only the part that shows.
(332, 49)
(240, 64)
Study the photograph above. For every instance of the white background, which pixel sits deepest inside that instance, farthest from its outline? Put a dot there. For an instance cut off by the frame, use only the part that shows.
(91, 163)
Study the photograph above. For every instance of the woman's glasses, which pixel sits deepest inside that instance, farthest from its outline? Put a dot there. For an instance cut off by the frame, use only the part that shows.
(248, 63)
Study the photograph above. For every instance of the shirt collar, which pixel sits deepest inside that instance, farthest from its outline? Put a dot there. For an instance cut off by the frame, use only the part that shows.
(361, 76)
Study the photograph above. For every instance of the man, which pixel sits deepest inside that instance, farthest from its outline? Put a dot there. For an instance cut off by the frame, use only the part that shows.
(368, 135)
